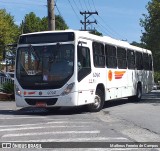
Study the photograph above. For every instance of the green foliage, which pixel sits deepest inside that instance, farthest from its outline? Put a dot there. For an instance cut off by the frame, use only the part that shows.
(60, 23)
(44, 24)
(9, 31)
(95, 32)
(151, 34)
(134, 43)
(156, 77)
(7, 87)
(32, 23)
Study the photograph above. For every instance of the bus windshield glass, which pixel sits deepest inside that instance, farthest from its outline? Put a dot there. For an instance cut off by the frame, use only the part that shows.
(44, 67)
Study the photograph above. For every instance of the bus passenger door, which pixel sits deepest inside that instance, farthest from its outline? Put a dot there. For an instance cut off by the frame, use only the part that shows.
(85, 83)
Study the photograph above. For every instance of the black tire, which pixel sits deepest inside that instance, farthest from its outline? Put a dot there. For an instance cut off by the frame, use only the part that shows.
(138, 95)
(99, 102)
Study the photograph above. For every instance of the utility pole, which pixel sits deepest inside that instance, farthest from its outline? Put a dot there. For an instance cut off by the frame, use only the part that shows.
(86, 22)
(51, 15)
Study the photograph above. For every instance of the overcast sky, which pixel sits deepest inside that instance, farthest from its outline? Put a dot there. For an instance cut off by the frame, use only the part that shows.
(116, 18)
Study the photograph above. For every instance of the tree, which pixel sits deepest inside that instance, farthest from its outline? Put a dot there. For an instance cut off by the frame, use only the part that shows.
(134, 43)
(9, 31)
(95, 32)
(32, 23)
(151, 35)
(44, 24)
(60, 23)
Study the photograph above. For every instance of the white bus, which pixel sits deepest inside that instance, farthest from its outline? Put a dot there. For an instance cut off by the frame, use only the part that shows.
(74, 68)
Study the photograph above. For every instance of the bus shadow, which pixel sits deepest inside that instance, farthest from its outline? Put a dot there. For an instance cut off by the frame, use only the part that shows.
(150, 98)
(117, 102)
(74, 110)
(45, 112)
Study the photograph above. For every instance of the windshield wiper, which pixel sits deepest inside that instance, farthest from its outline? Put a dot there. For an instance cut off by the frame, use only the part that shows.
(34, 53)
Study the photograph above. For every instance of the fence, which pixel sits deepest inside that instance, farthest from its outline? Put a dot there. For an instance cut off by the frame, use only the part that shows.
(5, 79)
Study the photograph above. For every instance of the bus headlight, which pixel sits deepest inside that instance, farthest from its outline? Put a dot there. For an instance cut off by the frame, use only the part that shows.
(68, 89)
(17, 90)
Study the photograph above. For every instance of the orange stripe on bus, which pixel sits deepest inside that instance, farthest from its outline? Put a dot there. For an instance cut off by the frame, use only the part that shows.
(118, 77)
(119, 72)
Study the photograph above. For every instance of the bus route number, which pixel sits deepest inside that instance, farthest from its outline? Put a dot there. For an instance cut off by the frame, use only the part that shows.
(96, 75)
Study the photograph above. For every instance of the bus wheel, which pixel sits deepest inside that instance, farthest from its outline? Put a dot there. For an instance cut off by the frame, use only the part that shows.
(98, 102)
(138, 95)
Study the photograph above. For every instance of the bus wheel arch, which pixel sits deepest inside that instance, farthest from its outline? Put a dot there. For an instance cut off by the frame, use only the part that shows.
(98, 100)
(139, 91)
(137, 97)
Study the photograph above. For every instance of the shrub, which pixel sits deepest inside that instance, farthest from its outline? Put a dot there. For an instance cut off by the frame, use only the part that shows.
(7, 87)
(156, 77)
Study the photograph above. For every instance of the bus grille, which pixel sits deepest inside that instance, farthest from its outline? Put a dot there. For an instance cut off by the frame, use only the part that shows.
(50, 101)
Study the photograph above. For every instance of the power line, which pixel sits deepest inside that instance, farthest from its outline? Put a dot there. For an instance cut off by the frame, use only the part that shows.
(86, 5)
(97, 22)
(93, 4)
(76, 5)
(57, 8)
(22, 3)
(102, 30)
(89, 5)
(81, 4)
(86, 16)
(109, 33)
(107, 26)
(73, 9)
(119, 35)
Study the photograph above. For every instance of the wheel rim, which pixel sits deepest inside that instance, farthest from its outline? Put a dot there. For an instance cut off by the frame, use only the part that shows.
(97, 102)
(139, 93)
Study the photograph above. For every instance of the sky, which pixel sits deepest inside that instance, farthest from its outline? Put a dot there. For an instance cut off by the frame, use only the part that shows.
(119, 19)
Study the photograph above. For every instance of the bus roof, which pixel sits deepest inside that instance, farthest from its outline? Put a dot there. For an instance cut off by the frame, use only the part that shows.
(104, 39)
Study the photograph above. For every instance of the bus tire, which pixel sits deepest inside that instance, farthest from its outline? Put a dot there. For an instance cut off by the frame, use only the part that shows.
(98, 102)
(138, 95)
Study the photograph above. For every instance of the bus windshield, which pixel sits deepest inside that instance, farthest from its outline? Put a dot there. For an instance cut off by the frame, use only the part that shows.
(44, 67)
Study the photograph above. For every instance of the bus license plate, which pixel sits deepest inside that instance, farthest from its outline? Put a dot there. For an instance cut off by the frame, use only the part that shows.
(41, 104)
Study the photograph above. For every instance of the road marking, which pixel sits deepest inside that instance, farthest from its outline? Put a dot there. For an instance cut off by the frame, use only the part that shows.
(76, 139)
(60, 122)
(49, 133)
(44, 127)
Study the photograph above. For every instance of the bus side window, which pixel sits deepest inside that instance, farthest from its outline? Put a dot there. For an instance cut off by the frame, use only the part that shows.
(150, 63)
(139, 61)
(84, 64)
(121, 58)
(98, 55)
(131, 59)
(111, 59)
(146, 61)
(83, 57)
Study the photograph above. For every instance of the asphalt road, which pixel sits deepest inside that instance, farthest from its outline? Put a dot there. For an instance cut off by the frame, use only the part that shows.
(119, 121)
